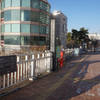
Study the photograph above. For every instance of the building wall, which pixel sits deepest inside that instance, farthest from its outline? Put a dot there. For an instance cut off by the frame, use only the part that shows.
(25, 22)
(94, 36)
(61, 27)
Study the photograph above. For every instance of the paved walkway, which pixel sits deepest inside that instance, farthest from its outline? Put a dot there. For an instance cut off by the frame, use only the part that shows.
(78, 80)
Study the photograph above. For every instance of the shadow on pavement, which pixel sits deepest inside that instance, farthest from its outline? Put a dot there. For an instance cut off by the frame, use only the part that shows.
(75, 84)
(82, 86)
(72, 86)
(93, 53)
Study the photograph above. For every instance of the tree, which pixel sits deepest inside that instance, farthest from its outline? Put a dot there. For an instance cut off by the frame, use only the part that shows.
(94, 44)
(83, 37)
(69, 40)
(75, 37)
(75, 34)
(69, 35)
(80, 37)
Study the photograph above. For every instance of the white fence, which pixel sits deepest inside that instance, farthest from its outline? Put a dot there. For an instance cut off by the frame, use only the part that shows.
(28, 67)
(72, 52)
(69, 52)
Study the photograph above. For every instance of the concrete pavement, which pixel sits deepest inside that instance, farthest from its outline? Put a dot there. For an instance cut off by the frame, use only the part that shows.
(79, 79)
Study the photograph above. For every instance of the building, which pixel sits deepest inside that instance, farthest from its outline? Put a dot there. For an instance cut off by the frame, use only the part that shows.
(60, 27)
(94, 36)
(24, 23)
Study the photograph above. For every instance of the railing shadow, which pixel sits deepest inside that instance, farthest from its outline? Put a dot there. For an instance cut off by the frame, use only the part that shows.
(76, 84)
(81, 86)
(93, 53)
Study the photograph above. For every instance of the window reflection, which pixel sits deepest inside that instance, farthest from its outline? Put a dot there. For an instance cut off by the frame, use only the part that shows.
(25, 3)
(25, 28)
(15, 15)
(15, 3)
(14, 40)
(25, 15)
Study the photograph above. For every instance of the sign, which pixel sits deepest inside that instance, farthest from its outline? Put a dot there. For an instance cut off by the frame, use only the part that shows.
(7, 64)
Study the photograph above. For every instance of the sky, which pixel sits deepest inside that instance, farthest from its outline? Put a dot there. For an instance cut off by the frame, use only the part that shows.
(80, 13)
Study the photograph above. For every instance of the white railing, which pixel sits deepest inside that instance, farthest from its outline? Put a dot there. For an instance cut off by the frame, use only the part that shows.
(28, 67)
(72, 52)
(69, 52)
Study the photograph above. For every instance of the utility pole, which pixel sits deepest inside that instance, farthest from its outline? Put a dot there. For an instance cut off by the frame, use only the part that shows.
(53, 43)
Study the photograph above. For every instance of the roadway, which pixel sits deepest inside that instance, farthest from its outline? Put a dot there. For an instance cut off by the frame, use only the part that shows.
(79, 79)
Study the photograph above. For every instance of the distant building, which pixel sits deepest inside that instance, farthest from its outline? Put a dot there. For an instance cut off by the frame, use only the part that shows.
(60, 27)
(24, 23)
(94, 36)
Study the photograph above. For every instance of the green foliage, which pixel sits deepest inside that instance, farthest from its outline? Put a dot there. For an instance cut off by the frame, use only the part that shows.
(83, 34)
(79, 37)
(69, 36)
(69, 40)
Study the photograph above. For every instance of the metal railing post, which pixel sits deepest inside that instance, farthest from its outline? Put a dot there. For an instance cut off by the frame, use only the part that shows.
(33, 66)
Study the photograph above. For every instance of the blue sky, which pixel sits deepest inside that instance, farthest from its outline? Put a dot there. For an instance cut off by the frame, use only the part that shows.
(80, 13)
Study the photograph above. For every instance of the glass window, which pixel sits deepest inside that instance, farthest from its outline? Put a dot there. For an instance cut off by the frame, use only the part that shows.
(25, 15)
(0, 6)
(12, 40)
(3, 4)
(7, 3)
(35, 4)
(22, 40)
(47, 20)
(35, 16)
(2, 15)
(42, 40)
(47, 30)
(43, 18)
(3, 28)
(7, 15)
(25, 40)
(15, 3)
(34, 29)
(16, 28)
(34, 40)
(15, 15)
(25, 3)
(25, 28)
(44, 6)
(42, 29)
(7, 28)
(48, 8)
(2, 37)
(0, 30)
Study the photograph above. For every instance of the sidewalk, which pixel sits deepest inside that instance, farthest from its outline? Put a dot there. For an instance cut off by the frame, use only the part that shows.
(78, 80)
